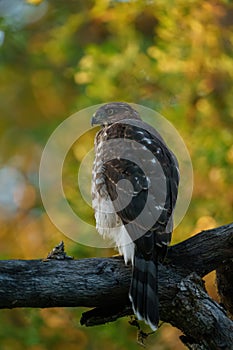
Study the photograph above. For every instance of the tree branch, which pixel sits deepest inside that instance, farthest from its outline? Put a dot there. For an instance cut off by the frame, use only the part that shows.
(224, 274)
(203, 252)
(103, 283)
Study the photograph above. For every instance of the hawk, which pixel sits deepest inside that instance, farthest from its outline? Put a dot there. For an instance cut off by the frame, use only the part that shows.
(135, 182)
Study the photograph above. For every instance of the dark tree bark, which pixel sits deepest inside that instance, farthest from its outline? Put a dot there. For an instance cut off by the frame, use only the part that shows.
(224, 275)
(103, 284)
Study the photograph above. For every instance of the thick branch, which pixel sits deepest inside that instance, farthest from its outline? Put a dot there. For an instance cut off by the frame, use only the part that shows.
(206, 324)
(224, 279)
(104, 284)
(204, 252)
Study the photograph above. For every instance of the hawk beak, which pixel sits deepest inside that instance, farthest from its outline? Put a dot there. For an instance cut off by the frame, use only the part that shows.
(94, 119)
(97, 119)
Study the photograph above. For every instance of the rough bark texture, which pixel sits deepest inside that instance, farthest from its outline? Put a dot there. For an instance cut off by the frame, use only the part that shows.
(224, 274)
(103, 283)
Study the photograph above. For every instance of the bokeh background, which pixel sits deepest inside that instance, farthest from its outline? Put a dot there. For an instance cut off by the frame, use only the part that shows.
(58, 57)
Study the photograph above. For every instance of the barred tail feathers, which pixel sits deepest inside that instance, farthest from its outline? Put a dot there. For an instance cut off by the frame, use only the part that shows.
(144, 291)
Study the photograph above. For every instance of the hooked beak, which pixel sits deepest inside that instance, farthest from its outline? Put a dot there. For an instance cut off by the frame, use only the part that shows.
(94, 120)
(97, 119)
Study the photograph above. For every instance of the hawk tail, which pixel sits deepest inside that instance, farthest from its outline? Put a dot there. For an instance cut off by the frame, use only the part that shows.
(144, 291)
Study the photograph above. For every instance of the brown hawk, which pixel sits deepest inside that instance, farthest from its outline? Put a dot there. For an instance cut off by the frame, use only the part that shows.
(134, 190)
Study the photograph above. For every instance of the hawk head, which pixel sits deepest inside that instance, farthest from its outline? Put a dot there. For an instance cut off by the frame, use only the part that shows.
(114, 112)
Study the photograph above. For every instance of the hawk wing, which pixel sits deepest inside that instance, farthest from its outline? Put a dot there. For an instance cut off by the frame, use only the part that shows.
(144, 161)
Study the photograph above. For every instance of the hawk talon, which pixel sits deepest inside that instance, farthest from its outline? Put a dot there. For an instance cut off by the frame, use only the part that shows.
(141, 335)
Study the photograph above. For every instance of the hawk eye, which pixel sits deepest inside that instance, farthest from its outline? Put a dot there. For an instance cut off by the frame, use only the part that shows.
(110, 111)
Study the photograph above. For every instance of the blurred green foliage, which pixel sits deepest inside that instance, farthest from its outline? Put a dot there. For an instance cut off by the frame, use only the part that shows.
(58, 57)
